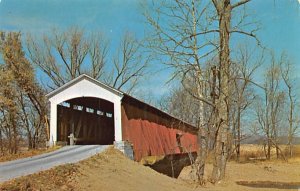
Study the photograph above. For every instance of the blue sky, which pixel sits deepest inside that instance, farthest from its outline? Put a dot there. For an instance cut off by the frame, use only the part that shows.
(279, 21)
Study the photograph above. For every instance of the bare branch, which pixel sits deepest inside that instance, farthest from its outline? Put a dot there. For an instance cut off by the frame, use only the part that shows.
(242, 2)
(251, 34)
(205, 32)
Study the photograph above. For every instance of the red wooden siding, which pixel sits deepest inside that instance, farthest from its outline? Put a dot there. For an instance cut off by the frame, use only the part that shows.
(152, 133)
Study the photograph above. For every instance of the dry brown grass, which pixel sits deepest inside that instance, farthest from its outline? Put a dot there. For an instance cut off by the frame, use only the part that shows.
(111, 170)
(24, 152)
(108, 171)
(57, 178)
(274, 174)
(253, 152)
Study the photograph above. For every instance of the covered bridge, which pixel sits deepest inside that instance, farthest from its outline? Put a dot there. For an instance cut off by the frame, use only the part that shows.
(98, 114)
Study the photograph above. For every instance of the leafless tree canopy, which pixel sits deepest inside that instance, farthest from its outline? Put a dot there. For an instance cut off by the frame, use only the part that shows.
(186, 35)
(63, 56)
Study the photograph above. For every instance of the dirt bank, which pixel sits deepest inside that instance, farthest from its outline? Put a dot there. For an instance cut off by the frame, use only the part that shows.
(111, 171)
(274, 173)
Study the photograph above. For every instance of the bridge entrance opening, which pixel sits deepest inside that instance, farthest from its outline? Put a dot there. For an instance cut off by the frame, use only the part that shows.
(89, 119)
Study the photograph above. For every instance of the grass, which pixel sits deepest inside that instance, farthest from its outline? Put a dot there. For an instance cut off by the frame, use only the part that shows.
(251, 152)
(110, 170)
(57, 178)
(24, 153)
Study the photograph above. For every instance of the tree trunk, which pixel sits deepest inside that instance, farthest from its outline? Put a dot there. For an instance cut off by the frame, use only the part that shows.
(1, 143)
(269, 149)
(221, 150)
(201, 158)
(277, 151)
(9, 139)
(238, 145)
(202, 142)
(291, 122)
(290, 149)
(15, 136)
(29, 137)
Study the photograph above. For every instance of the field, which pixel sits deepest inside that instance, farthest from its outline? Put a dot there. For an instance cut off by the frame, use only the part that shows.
(111, 170)
(251, 152)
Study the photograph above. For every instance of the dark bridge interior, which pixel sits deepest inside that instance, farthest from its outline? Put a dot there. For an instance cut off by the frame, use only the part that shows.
(90, 119)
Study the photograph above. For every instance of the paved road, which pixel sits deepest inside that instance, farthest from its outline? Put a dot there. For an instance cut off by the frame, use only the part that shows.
(68, 154)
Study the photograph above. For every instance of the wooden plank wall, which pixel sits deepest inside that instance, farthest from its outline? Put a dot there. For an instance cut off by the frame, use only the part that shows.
(88, 128)
(154, 135)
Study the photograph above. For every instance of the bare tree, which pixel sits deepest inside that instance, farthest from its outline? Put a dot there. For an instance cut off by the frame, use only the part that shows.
(185, 32)
(243, 70)
(270, 106)
(286, 70)
(175, 40)
(63, 56)
(224, 9)
(129, 64)
(181, 104)
(184, 103)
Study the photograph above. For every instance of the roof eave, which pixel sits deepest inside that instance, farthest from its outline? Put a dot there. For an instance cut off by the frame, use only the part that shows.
(79, 78)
